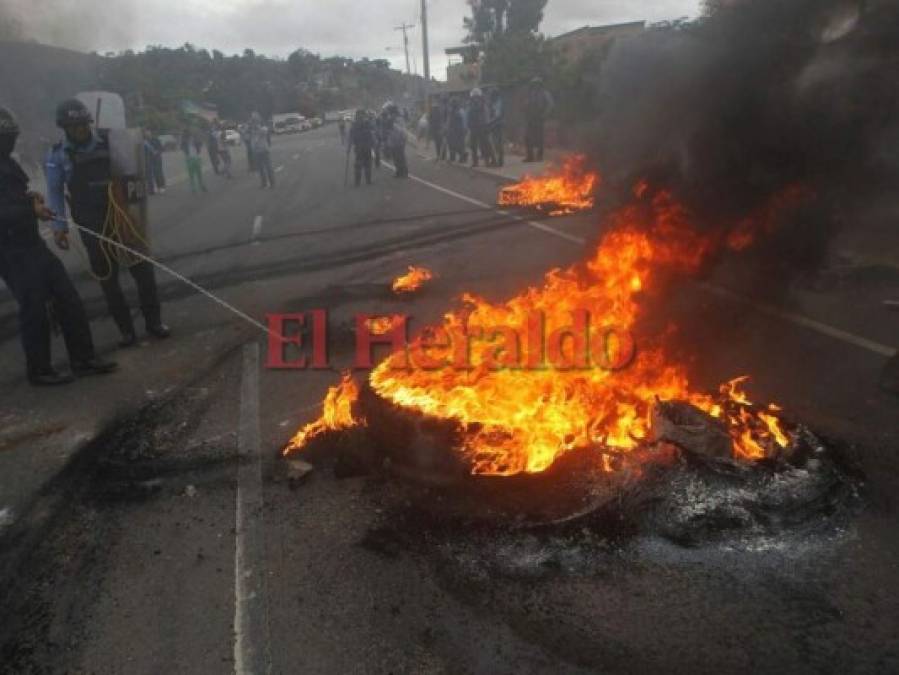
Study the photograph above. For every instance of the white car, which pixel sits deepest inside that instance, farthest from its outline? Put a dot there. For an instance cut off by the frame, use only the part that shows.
(232, 137)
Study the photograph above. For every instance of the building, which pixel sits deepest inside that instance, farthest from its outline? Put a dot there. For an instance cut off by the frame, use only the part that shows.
(463, 71)
(575, 45)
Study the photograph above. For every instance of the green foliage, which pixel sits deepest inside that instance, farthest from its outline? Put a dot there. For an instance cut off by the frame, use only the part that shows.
(155, 82)
(516, 57)
(493, 19)
(507, 34)
(525, 16)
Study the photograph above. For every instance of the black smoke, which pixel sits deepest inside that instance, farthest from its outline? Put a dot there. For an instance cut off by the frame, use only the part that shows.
(83, 25)
(761, 95)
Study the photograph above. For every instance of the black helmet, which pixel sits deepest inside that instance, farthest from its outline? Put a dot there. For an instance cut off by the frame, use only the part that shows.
(72, 113)
(8, 124)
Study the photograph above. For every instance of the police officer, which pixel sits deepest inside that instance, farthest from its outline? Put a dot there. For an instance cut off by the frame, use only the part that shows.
(82, 164)
(538, 106)
(362, 142)
(36, 277)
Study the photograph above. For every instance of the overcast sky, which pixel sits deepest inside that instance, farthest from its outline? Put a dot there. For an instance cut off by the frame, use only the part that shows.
(355, 28)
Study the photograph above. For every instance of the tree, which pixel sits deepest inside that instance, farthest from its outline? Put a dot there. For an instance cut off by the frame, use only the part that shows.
(516, 56)
(525, 16)
(491, 19)
(161, 78)
(506, 32)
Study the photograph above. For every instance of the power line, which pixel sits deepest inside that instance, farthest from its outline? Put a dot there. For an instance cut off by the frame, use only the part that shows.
(405, 27)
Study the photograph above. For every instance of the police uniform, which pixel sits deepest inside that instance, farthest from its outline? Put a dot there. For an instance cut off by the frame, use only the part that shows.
(362, 141)
(39, 281)
(87, 173)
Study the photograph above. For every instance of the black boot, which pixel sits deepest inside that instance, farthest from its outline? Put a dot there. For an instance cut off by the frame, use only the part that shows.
(49, 378)
(94, 366)
(159, 330)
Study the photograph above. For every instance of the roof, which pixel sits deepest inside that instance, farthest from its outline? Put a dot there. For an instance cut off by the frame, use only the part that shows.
(466, 49)
(597, 30)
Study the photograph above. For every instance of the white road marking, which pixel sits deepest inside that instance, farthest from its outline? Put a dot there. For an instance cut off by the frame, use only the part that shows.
(252, 645)
(279, 169)
(789, 317)
(296, 156)
(257, 227)
(476, 202)
(803, 321)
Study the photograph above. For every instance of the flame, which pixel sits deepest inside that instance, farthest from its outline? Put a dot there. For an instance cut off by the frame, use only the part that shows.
(563, 191)
(515, 420)
(413, 280)
(382, 325)
(337, 414)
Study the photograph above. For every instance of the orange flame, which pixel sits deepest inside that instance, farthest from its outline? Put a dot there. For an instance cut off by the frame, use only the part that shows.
(516, 420)
(413, 280)
(382, 325)
(337, 414)
(522, 421)
(561, 192)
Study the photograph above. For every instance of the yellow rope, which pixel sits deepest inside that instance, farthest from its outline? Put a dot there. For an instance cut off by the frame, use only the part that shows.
(117, 225)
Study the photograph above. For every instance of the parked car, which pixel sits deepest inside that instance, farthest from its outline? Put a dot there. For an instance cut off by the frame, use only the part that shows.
(316, 122)
(290, 123)
(232, 137)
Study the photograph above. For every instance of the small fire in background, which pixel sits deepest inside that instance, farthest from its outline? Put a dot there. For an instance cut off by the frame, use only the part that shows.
(560, 192)
(337, 415)
(382, 325)
(412, 281)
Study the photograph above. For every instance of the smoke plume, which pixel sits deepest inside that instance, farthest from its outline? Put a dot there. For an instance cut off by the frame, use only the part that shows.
(760, 96)
(72, 24)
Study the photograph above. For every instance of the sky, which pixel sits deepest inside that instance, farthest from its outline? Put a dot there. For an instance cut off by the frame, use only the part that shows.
(353, 28)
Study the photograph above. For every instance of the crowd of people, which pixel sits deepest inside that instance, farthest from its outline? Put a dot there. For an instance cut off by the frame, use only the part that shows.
(376, 136)
(475, 127)
(255, 136)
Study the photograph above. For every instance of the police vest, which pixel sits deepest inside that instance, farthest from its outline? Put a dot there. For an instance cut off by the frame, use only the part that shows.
(89, 183)
(23, 232)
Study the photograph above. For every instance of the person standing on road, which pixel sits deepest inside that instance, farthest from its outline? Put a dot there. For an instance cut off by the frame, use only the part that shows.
(260, 143)
(436, 124)
(423, 133)
(212, 147)
(158, 168)
(477, 123)
(383, 128)
(225, 154)
(495, 125)
(244, 131)
(456, 132)
(37, 278)
(82, 164)
(362, 141)
(194, 162)
(396, 141)
(375, 121)
(341, 127)
(538, 107)
(150, 163)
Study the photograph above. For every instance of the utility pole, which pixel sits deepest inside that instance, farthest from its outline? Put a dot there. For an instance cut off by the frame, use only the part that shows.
(427, 53)
(404, 28)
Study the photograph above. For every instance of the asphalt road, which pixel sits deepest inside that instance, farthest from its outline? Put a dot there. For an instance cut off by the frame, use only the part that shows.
(173, 556)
